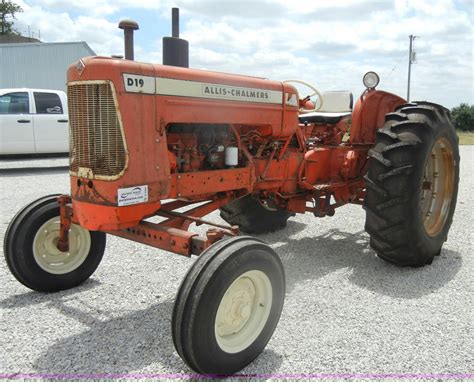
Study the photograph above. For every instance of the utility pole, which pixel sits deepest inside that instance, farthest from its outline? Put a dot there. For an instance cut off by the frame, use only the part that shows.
(411, 60)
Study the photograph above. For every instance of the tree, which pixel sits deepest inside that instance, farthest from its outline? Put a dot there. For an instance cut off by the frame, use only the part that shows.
(463, 117)
(8, 10)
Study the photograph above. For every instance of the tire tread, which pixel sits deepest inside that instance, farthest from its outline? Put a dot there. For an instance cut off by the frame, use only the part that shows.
(394, 164)
(252, 217)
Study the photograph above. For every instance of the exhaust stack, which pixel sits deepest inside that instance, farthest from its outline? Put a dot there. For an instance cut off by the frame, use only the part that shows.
(128, 27)
(175, 22)
(175, 49)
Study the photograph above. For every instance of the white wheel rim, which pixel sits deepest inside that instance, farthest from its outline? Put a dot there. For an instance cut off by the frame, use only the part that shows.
(50, 258)
(243, 311)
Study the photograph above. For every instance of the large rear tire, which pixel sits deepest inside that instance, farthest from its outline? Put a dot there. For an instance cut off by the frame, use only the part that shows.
(252, 217)
(412, 184)
(228, 306)
(31, 253)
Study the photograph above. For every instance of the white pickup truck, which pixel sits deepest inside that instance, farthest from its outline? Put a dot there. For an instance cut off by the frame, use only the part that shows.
(33, 121)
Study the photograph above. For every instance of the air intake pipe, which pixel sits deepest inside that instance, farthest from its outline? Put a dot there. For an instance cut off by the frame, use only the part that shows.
(128, 27)
(175, 49)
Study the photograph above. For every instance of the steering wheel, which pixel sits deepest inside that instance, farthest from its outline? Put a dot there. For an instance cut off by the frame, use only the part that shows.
(315, 93)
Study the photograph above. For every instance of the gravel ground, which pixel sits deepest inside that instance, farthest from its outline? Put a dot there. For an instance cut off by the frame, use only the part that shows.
(346, 311)
(17, 163)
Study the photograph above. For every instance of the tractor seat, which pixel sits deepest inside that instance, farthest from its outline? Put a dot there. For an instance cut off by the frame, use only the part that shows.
(336, 105)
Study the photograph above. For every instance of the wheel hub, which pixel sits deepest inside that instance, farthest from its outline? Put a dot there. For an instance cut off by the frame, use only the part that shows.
(238, 302)
(243, 311)
(50, 258)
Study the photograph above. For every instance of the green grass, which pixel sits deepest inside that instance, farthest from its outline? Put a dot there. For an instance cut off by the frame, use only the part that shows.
(465, 138)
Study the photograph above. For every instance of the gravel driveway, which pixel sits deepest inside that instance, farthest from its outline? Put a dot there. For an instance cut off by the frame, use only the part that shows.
(346, 311)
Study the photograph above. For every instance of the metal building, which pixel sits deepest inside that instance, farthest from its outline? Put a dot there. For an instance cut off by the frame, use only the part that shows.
(39, 65)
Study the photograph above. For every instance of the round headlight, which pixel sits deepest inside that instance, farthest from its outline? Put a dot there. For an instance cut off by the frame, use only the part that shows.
(371, 80)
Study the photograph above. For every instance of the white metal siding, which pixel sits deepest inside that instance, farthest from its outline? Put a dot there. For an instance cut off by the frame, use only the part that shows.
(39, 65)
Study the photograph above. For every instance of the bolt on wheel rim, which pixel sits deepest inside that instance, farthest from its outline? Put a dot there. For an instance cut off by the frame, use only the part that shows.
(50, 258)
(243, 311)
(437, 187)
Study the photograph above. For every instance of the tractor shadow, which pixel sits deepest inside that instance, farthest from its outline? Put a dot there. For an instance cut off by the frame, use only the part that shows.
(32, 298)
(111, 344)
(123, 344)
(116, 345)
(310, 258)
(108, 344)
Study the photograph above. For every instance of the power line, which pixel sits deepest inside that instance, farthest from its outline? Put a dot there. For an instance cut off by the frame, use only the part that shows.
(387, 76)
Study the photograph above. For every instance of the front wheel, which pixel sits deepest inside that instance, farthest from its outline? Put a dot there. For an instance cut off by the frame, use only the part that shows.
(228, 306)
(32, 255)
(412, 184)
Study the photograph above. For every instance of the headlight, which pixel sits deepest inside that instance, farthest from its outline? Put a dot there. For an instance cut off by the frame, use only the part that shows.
(371, 80)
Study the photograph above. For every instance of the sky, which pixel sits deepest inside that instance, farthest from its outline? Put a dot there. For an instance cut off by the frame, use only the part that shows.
(329, 44)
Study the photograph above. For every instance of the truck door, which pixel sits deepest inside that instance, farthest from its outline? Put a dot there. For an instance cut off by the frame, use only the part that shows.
(51, 123)
(16, 124)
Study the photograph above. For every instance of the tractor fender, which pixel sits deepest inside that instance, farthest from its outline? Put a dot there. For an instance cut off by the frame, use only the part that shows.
(369, 114)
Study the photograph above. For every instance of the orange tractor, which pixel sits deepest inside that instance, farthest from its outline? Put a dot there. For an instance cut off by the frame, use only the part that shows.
(148, 140)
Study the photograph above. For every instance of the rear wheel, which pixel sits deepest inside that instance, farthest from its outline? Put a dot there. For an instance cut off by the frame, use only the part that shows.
(253, 217)
(228, 306)
(412, 184)
(32, 255)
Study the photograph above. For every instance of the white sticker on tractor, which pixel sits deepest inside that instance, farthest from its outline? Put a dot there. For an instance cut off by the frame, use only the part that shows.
(139, 84)
(135, 83)
(132, 195)
(195, 89)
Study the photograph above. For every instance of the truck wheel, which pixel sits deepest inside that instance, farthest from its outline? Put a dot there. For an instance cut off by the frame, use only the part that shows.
(249, 214)
(32, 255)
(412, 184)
(228, 306)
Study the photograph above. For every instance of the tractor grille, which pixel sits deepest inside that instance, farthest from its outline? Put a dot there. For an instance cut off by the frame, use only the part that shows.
(96, 141)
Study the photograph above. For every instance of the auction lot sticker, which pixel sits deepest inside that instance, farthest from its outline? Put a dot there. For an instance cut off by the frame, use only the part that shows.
(132, 195)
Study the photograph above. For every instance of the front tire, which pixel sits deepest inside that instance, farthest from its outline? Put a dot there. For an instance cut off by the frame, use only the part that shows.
(228, 306)
(32, 255)
(412, 184)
